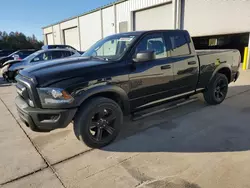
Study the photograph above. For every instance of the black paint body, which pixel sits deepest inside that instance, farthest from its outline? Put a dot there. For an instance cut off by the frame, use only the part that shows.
(133, 85)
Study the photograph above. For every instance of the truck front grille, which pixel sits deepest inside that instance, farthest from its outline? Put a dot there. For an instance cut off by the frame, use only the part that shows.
(25, 90)
(22, 91)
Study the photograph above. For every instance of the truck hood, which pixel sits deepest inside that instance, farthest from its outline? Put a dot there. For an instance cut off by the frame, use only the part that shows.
(63, 69)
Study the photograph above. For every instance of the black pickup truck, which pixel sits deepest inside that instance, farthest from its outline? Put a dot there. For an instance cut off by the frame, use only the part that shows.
(119, 75)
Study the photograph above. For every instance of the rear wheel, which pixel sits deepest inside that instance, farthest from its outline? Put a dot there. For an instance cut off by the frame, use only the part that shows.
(217, 89)
(98, 122)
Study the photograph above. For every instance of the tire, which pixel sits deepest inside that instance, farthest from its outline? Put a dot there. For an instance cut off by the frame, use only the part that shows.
(98, 116)
(10, 76)
(217, 89)
(14, 76)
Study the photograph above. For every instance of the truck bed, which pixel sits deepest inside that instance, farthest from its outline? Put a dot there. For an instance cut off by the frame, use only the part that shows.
(207, 57)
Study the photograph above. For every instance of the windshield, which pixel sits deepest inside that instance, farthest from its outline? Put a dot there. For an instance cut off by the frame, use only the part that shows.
(31, 56)
(111, 48)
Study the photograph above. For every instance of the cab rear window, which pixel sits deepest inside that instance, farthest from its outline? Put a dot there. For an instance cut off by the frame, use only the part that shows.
(179, 43)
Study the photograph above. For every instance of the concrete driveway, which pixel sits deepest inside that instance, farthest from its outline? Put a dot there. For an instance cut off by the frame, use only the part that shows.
(194, 146)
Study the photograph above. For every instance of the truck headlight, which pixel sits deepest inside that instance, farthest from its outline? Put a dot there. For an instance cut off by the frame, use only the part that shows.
(54, 96)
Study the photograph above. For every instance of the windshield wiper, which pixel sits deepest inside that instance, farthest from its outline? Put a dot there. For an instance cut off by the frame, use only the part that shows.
(99, 58)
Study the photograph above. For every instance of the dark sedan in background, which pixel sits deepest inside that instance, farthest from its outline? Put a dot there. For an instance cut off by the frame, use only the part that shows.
(45, 47)
(4, 53)
(17, 55)
(10, 68)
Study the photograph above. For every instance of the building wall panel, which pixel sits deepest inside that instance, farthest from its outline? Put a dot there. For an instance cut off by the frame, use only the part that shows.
(108, 18)
(159, 17)
(90, 25)
(124, 9)
(212, 17)
(47, 30)
(90, 29)
(57, 34)
(49, 39)
(69, 24)
(71, 37)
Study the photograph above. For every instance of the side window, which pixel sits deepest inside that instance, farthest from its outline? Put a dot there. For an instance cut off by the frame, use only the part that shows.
(57, 54)
(153, 42)
(66, 53)
(179, 44)
(42, 57)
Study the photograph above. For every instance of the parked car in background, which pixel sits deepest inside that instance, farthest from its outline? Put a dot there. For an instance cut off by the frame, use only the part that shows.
(119, 75)
(4, 53)
(60, 46)
(11, 68)
(17, 55)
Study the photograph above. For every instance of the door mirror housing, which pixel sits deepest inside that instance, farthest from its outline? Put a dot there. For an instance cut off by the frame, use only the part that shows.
(144, 56)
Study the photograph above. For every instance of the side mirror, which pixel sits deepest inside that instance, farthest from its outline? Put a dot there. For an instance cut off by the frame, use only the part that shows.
(144, 56)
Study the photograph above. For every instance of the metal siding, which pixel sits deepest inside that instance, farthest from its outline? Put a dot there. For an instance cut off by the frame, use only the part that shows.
(47, 30)
(71, 37)
(159, 17)
(90, 24)
(90, 28)
(108, 19)
(214, 17)
(69, 24)
(57, 34)
(124, 9)
(49, 38)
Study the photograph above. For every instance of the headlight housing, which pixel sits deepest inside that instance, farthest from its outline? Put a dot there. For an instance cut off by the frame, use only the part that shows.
(54, 96)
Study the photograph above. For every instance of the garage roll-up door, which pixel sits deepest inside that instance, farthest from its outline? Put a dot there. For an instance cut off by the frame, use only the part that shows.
(49, 38)
(214, 17)
(71, 37)
(154, 18)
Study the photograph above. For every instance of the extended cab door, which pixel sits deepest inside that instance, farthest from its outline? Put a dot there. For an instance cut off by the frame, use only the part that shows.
(150, 81)
(185, 61)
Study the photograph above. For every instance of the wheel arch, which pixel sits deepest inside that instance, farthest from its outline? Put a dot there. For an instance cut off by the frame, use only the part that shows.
(112, 92)
(223, 69)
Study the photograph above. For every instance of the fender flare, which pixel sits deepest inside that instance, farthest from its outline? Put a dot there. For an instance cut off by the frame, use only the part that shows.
(85, 95)
(221, 66)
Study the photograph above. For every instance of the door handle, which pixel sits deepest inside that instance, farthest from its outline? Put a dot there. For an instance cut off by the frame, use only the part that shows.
(192, 63)
(165, 67)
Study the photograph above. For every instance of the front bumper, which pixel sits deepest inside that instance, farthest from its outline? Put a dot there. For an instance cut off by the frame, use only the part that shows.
(43, 120)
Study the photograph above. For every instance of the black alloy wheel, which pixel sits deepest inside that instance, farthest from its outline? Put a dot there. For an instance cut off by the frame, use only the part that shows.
(217, 89)
(98, 122)
(221, 89)
(102, 124)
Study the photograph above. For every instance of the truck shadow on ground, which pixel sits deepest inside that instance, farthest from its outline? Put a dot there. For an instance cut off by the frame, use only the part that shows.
(221, 128)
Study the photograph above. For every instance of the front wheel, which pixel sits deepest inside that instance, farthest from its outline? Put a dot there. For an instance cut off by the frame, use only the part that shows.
(98, 122)
(217, 89)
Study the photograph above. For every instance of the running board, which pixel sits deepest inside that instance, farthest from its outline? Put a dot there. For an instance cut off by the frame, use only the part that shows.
(140, 115)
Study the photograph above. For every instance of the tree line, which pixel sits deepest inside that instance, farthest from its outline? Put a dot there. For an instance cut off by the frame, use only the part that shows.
(18, 40)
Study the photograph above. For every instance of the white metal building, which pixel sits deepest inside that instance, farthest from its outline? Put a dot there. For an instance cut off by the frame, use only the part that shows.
(200, 17)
